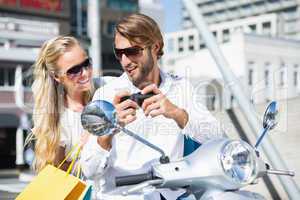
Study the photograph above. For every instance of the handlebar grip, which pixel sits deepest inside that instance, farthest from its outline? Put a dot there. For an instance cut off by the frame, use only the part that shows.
(133, 179)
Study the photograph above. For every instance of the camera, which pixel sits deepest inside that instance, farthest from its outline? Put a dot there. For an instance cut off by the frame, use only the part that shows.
(138, 97)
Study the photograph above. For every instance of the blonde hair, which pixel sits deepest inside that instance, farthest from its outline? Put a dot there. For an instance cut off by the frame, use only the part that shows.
(48, 97)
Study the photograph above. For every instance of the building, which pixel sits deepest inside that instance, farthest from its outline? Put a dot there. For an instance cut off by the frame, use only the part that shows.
(267, 68)
(187, 41)
(186, 47)
(260, 42)
(24, 26)
(218, 12)
(111, 11)
(154, 9)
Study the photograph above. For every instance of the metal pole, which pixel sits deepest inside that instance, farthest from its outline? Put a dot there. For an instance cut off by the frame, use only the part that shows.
(269, 149)
(19, 100)
(79, 17)
(19, 146)
(94, 32)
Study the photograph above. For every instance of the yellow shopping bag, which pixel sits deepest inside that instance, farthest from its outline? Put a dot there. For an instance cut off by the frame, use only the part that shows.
(55, 184)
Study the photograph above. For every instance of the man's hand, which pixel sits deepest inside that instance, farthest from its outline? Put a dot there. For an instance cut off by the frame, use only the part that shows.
(159, 104)
(105, 141)
(126, 110)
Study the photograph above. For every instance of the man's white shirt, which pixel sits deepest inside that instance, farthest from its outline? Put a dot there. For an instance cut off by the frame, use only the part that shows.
(129, 156)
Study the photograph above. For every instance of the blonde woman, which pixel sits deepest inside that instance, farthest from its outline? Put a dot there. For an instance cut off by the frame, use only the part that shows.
(62, 87)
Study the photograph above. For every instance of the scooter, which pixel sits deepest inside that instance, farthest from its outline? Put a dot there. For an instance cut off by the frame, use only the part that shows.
(218, 169)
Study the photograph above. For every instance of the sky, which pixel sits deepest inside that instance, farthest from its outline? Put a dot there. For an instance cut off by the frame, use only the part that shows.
(172, 21)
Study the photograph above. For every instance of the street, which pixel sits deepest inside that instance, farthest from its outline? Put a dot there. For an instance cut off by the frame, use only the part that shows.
(10, 184)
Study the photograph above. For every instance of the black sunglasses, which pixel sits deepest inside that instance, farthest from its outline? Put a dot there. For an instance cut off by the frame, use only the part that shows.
(76, 70)
(130, 52)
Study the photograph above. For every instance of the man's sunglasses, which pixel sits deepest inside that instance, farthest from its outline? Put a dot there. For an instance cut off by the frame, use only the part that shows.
(130, 52)
(77, 70)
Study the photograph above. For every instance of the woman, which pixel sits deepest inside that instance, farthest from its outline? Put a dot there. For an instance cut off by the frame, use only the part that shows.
(62, 87)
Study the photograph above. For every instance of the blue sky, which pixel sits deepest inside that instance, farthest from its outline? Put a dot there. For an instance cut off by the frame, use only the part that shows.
(172, 15)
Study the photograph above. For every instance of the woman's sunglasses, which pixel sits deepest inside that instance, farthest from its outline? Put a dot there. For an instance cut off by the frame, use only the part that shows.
(130, 52)
(77, 70)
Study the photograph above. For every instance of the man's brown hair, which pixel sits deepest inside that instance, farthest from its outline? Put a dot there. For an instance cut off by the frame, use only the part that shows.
(141, 29)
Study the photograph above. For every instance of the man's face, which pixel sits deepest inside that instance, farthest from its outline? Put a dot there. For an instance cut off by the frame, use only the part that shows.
(136, 60)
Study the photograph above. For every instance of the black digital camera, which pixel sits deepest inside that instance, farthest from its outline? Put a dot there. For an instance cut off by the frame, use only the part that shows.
(138, 97)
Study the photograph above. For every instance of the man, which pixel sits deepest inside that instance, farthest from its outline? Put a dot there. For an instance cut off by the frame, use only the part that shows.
(162, 119)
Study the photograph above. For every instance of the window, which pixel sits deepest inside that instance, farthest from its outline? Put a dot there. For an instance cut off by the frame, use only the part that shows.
(295, 78)
(214, 33)
(252, 28)
(225, 35)
(202, 46)
(180, 44)
(282, 74)
(266, 77)
(281, 78)
(110, 27)
(266, 26)
(2, 76)
(250, 72)
(124, 5)
(250, 77)
(7, 76)
(191, 43)
(11, 76)
(170, 45)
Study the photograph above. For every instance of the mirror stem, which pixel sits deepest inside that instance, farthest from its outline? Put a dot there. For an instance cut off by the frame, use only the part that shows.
(265, 130)
(163, 159)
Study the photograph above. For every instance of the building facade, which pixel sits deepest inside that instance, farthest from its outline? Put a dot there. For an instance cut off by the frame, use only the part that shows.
(186, 47)
(24, 26)
(217, 12)
(111, 11)
(267, 68)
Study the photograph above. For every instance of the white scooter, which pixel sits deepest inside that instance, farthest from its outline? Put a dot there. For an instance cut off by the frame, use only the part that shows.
(216, 170)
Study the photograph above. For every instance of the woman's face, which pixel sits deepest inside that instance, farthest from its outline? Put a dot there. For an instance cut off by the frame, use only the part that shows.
(74, 70)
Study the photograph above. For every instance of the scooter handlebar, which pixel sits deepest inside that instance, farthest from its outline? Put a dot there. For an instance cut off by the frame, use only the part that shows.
(133, 179)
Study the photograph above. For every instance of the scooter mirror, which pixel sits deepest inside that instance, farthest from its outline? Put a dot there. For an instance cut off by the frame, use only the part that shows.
(98, 118)
(270, 119)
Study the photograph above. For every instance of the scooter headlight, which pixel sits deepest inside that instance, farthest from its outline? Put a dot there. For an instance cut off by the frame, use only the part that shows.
(238, 160)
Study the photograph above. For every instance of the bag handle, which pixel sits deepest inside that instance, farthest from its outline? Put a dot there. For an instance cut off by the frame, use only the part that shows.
(73, 159)
(68, 155)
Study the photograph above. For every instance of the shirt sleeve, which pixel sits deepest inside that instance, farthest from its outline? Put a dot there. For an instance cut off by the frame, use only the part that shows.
(94, 159)
(202, 125)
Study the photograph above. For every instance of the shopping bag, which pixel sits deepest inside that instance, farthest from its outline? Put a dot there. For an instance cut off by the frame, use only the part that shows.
(55, 184)
(87, 194)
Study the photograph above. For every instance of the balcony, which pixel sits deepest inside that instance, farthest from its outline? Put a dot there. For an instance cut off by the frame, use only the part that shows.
(291, 16)
(232, 4)
(29, 26)
(220, 6)
(288, 3)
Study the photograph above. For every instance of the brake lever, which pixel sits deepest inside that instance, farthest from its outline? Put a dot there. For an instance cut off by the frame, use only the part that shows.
(143, 185)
